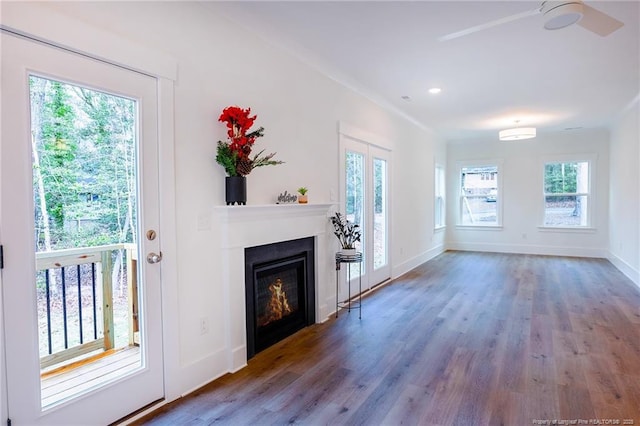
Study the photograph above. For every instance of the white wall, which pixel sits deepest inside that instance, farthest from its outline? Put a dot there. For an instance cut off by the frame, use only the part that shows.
(414, 240)
(624, 197)
(220, 65)
(521, 195)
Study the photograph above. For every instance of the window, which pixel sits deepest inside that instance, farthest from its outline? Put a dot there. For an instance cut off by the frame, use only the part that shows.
(479, 195)
(439, 203)
(567, 193)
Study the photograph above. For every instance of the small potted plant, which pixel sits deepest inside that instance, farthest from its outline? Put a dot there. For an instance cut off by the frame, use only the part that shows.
(302, 199)
(348, 233)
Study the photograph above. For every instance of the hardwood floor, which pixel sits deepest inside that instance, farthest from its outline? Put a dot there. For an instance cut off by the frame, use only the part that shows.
(465, 339)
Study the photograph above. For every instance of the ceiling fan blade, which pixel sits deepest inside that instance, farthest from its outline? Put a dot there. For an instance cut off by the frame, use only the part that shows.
(598, 22)
(489, 25)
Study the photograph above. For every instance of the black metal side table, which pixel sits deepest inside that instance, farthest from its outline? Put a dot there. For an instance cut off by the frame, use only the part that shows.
(349, 259)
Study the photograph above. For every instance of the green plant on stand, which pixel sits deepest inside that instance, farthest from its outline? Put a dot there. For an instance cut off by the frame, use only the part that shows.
(348, 233)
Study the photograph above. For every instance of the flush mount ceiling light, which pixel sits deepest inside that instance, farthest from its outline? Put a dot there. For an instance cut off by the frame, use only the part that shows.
(517, 133)
(435, 90)
(558, 15)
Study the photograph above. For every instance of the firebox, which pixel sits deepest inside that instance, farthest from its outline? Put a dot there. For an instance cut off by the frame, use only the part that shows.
(280, 291)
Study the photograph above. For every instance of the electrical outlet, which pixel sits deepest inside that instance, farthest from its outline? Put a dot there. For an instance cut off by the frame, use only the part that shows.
(204, 325)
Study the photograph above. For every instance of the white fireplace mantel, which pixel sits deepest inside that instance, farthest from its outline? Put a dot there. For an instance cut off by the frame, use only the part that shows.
(255, 225)
(247, 226)
(272, 210)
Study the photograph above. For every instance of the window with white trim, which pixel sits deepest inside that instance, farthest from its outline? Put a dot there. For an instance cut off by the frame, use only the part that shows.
(439, 202)
(480, 195)
(567, 193)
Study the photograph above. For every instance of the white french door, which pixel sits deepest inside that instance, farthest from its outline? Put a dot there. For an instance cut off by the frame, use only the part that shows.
(365, 172)
(25, 65)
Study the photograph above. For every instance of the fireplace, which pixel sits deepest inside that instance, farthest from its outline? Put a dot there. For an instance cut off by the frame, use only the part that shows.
(280, 291)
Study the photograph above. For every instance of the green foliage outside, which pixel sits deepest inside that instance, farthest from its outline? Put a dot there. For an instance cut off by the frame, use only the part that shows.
(84, 166)
(355, 170)
(560, 178)
(379, 175)
(355, 186)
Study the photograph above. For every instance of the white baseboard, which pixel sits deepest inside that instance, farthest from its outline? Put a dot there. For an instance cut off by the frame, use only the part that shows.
(191, 376)
(416, 261)
(238, 358)
(323, 312)
(631, 273)
(212, 367)
(530, 249)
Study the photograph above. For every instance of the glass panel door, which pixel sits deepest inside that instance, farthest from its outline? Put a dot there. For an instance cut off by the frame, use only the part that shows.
(365, 192)
(79, 186)
(379, 160)
(355, 201)
(379, 213)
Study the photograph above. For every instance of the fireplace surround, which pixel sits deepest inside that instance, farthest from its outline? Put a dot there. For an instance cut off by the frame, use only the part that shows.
(255, 225)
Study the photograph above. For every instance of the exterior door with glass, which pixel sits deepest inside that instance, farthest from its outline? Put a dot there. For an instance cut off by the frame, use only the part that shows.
(364, 189)
(79, 218)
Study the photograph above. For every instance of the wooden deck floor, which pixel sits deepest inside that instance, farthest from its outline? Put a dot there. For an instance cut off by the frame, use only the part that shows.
(74, 379)
(466, 339)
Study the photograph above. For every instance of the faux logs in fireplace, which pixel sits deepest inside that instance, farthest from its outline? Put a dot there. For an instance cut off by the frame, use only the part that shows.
(280, 291)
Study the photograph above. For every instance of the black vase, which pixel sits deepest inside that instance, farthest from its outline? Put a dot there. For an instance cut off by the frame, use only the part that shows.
(236, 190)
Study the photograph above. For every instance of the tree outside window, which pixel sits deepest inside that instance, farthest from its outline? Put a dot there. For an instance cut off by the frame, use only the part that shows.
(566, 194)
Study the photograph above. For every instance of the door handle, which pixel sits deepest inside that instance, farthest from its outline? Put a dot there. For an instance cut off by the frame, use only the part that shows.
(154, 258)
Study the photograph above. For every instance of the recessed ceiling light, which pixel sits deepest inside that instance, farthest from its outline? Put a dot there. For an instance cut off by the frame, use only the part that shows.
(435, 90)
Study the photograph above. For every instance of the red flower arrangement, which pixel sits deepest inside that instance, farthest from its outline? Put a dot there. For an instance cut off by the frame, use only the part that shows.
(234, 154)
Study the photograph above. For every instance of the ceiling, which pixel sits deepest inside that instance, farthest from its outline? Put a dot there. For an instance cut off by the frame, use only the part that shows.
(552, 80)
